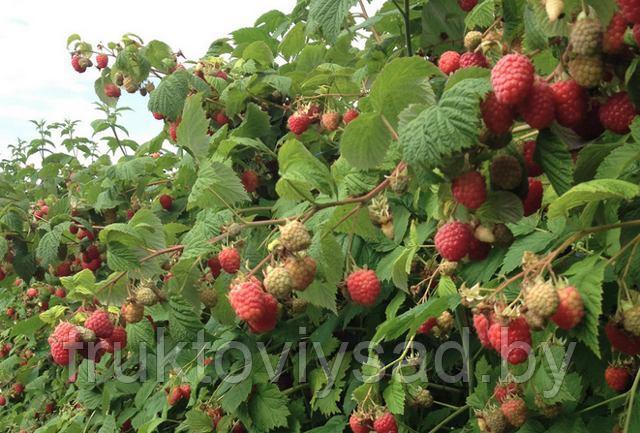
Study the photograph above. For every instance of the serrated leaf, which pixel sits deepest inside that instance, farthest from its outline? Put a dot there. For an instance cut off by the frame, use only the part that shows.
(258, 51)
(236, 395)
(465, 74)
(482, 15)
(365, 141)
(446, 128)
(329, 15)
(196, 422)
(394, 395)
(168, 98)
(47, 251)
(268, 407)
(589, 160)
(322, 295)
(618, 161)
(301, 172)
(501, 206)
(194, 126)
(293, 41)
(534, 243)
(593, 191)
(554, 157)
(217, 186)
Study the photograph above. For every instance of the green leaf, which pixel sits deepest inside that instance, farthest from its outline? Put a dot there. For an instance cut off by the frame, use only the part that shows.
(301, 172)
(442, 17)
(334, 425)
(554, 157)
(329, 15)
(465, 74)
(217, 186)
(194, 127)
(448, 127)
(293, 42)
(260, 52)
(158, 53)
(482, 15)
(402, 82)
(410, 320)
(593, 191)
(268, 407)
(365, 141)
(108, 424)
(196, 422)
(168, 98)
(534, 35)
(47, 251)
(618, 161)
(394, 394)
(587, 276)
(534, 243)
(501, 206)
(322, 295)
(590, 158)
(235, 395)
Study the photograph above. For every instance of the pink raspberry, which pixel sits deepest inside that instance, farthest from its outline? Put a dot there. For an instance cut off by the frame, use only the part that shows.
(571, 103)
(469, 189)
(538, 108)
(452, 240)
(364, 287)
(473, 59)
(64, 340)
(630, 9)
(100, 323)
(467, 5)
(533, 200)
(497, 116)
(247, 300)
(512, 78)
(512, 341)
(449, 62)
(617, 113)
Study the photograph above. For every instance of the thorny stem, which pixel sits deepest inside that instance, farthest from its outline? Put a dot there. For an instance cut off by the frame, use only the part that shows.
(376, 35)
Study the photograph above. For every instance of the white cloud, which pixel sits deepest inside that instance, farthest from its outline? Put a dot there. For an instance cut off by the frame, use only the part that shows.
(39, 82)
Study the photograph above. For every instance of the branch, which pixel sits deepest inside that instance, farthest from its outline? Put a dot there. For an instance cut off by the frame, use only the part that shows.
(376, 35)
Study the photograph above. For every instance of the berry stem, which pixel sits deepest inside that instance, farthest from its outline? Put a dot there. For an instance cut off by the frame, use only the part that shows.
(450, 418)
(630, 404)
(602, 403)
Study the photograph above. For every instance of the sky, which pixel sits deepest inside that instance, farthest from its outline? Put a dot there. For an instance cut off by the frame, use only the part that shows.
(38, 82)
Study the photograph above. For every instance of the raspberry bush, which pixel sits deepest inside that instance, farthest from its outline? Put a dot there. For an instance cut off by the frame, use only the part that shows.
(349, 220)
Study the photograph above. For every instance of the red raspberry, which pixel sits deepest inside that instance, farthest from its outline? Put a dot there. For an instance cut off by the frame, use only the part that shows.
(174, 396)
(173, 130)
(473, 59)
(621, 340)
(247, 300)
(93, 265)
(359, 424)
(613, 39)
(314, 113)
(330, 120)
(529, 149)
(617, 113)
(571, 103)
(92, 252)
(214, 266)
(185, 390)
(452, 240)
(516, 344)
(165, 201)
(63, 269)
(428, 325)
(449, 62)
(3, 401)
(590, 127)
(350, 115)
(269, 317)
(467, 5)
(482, 323)
(17, 388)
(77, 64)
(618, 378)
(478, 250)
(229, 260)
(73, 229)
(636, 33)
(533, 201)
(630, 9)
(570, 309)
(32, 292)
(102, 60)
(298, 123)
(158, 116)
(64, 340)
(221, 118)
(469, 189)
(100, 323)
(497, 116)
(538, 109)
(504, 390)
(385, 423)
(363, 286)
(515, 411)
(60, 293)
(118, 339)
(512, 78)
(250, 180)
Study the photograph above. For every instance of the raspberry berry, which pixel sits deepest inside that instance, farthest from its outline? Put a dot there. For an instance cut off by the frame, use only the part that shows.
(631, 320)
(229, 260)
(3, 401)
(165, 201)
(385, 423)
(613, 39)
(63, 341)
(350, 115)
(497, 116)
(473, 59)
(302, 271)
(452, 240)
(111, 90)
(505, 390)
(482, 323)
(636, 33)
(571, 103)
(472, 40)
(79, 63)
(146, 296)
(118, 340)
(158, 116)
(132, 312)
(590, 127)
(294, 236)
(630, 9)
(428, 325)
(533, 201)
(247, 300)
(32, 292)
(512, 78)
(586, 36)
(587, 71)
(528, 151)
(618, 378)
(221, 118)
(511, 340)
(515, 411)
(538, 108)
(330, 121)
(363, 286)
(100, 323)
(506, 172)
(298, 123)
(250, 181)
(570, 309)
(467, 5)
(102, 60)
(214, 266)
(469, 189)
(173, 130)
(541, 299)
(208, 297)
(621, 340)
(617, 113)
(449, 62)
(491, 420)
(478, 250)
(269, 317)
(359, 424)
(278, 282)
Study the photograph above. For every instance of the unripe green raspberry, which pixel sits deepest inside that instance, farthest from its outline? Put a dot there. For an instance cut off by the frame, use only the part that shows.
(586, 37)
(278, 282)
(631, 320)
(145, 295)
(506, 172)
(294, 236)
(208, 297)
(586, 71)
(472, 40)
